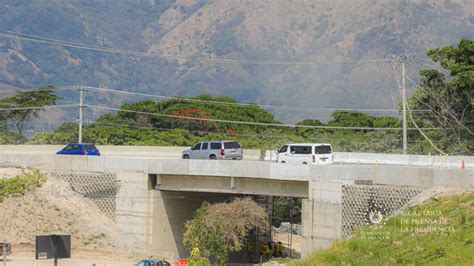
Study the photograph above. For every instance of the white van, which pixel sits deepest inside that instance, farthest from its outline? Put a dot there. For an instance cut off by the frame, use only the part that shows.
(305, 153)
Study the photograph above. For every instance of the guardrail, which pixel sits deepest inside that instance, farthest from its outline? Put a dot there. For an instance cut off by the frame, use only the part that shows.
(107, 150)
(401, 159)
(395, 159)
(268, 155)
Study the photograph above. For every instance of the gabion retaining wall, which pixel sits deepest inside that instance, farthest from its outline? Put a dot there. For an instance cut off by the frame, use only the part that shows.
(100, 188)
(368, 204)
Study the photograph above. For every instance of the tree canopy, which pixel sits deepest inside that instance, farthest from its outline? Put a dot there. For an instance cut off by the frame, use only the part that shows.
(222, 228)
(185, 122)
(32, 101)
(448, 100)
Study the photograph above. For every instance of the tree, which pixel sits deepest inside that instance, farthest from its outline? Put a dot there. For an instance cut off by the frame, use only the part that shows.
(219, 229)
(286, 209)
(449, 102)
(7, 137)
(28, 99)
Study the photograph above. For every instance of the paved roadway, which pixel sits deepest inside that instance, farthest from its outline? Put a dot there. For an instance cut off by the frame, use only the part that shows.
(29, 261)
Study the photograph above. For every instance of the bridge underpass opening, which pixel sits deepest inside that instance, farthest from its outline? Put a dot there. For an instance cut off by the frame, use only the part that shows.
(331, 210)
(173, 208)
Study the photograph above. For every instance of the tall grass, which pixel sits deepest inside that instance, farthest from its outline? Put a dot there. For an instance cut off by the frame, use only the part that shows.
(19, 185)
(406, 243)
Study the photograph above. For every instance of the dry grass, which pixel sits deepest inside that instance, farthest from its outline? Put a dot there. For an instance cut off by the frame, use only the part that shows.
(236, 219)
(219, 229)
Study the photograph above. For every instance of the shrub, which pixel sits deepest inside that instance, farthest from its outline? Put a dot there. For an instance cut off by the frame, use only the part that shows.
(19, 185)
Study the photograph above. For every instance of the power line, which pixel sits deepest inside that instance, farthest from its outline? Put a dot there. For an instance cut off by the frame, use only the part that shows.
(37, 107)
(200, 131)
(234, 135)
(282, 107)
(184, 130)
(294, 108)
(248, 123)
(208, 119)
(32, 90)
(40, 39)
(44, 122)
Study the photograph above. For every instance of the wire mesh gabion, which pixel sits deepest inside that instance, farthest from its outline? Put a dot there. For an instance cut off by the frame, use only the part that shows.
(368, 204)
(100, 188)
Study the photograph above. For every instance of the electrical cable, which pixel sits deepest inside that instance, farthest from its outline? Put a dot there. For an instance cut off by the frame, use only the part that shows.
(247, 123)
(294, 108)
(38, 107)
(217, 133)
(40, 39)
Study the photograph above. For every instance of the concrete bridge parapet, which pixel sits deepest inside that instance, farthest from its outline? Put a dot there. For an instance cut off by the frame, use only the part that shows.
(155, 197)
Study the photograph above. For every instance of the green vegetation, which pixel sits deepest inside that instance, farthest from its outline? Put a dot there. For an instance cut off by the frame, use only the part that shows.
(168, 123)
(449, 101)
(7, 137)
(30, 99)
(219, 229)
(94, 239)
(440, 232)
(286, 209)
(19, 185)
(126, 128)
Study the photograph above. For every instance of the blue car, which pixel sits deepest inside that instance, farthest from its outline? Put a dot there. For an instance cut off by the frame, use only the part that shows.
(80, 149)
(152, 262)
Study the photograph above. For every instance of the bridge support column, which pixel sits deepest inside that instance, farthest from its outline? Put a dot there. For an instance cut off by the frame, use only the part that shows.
(134, 209)
(321, 216)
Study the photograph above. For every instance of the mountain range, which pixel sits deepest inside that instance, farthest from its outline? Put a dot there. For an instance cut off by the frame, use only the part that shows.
(325, 44)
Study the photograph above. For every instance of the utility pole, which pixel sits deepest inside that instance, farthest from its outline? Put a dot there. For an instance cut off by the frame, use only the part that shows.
(403, 59)
(4, 250)
(82, 95)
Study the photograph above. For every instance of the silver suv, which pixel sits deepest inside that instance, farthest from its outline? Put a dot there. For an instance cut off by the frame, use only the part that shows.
(221, 150)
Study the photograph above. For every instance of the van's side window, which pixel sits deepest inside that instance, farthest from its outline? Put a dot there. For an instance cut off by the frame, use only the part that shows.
(216, 146)
(323, 149)
(283, 149)
(196, 147)
(300, 149)
(204, 146)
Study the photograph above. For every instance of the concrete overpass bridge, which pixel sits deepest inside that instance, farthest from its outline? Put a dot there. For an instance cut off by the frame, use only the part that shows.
(153, 197)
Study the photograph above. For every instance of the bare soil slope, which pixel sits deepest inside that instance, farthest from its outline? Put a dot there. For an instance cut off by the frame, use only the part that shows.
(56, 209)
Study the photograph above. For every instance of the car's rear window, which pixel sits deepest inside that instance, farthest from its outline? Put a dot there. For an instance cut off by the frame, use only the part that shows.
(231, 145)
(300, 149)
(216, 145)
(323, 149)
(90, 147)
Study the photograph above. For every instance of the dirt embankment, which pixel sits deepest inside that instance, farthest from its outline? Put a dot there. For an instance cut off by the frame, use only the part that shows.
(54, 208)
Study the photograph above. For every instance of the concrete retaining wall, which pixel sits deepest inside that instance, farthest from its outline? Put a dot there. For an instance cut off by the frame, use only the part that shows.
(134, 209)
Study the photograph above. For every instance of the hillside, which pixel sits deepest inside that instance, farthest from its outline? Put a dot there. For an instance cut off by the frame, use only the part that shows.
(438, 232)
(318, 31)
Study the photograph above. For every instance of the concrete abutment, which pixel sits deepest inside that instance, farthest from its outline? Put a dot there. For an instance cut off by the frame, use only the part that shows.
(335, 202)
